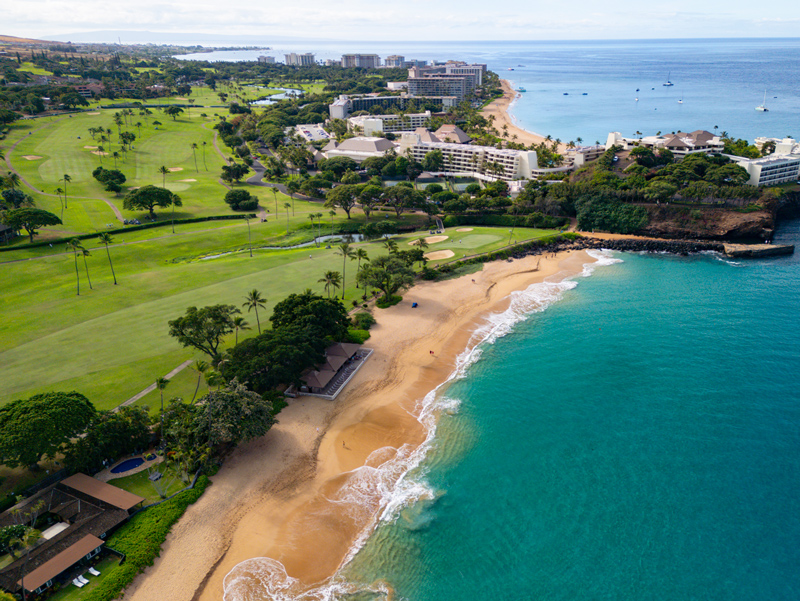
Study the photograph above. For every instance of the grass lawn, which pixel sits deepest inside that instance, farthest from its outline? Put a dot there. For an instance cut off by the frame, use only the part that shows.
(112, 341)
(33, 69)
(139, 484)
(69, 592)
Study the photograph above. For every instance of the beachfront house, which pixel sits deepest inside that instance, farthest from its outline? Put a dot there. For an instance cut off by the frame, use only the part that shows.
(75, 516)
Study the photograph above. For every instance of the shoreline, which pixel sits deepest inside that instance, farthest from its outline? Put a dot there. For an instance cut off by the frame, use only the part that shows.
(500, 108)
(272, 496)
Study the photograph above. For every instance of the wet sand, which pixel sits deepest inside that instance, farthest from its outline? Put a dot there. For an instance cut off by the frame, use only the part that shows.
(280, 496)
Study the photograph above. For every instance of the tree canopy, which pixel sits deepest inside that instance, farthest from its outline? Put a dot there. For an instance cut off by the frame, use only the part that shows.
(388, 273)
(41, 425)
(204, 328)
(149, 197)
(325, 317)
(342, 197)
(30, 220)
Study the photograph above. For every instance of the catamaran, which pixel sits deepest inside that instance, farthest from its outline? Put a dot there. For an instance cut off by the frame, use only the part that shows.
(763, 106)
(668, 83)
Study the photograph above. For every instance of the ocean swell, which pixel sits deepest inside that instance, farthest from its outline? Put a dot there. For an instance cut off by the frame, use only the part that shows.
(390, 480)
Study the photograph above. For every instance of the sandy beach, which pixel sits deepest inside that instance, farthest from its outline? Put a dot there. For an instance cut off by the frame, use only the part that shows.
(289, 495)
(499, 108)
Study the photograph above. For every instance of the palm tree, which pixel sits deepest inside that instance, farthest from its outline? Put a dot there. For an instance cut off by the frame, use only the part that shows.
(161, 384)
(391, 245)
(204, 155)
(115, 156)
(86, 253)
(319, 224)
(287, 206)
(201, 367)
(275, 194)
(421, 242)
(163, 171)
(138, 126)
(311, 217)
(105, 238)
(346, 252)
(100, 152)
(239, 323)
(332, 213)
(194, 154)
(59, 192)
(360, 254)
(75, 245)
(66, 179)
(254, 300)
(214, 378)
(331, 279)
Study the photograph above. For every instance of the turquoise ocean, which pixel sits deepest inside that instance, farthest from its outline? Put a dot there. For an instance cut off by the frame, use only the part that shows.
(629, 433)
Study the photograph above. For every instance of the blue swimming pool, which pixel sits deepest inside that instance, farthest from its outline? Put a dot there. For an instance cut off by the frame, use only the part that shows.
(127, 465)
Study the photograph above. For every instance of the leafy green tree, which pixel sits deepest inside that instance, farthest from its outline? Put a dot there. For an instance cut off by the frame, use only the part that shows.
(343, 197)
(253, 301)
(111, 434)
(351, 178)
(433, 161)
(173, 111)
(389, 274)
(30, 220)
(105, 238)
(149, 197)
(204, 328)
(324, 318)
(370, 196)
(41, 425)
(240, 199)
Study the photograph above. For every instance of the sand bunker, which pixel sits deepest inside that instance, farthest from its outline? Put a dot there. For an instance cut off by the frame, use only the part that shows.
(94, 113)
(464, 229)
(435, 239)
(439, 254)
(90, 147)
(98, 153)
(31, 157)
(187, 180)
(174, 169)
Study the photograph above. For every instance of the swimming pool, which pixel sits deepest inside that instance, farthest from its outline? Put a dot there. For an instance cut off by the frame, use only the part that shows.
(127, 465)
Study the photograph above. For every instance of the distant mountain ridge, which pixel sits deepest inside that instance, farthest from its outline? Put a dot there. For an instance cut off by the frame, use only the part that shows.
(158, 37)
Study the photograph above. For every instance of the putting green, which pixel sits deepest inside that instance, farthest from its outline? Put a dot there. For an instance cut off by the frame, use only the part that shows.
(476, 240)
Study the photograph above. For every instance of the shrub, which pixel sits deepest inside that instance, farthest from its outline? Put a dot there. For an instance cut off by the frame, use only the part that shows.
(241, 199)
(357, 336)
(385, 303)
(248, 205)
(141, 539)
(363, 320)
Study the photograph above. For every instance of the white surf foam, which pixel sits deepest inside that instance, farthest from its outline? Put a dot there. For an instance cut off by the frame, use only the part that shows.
(390, 480)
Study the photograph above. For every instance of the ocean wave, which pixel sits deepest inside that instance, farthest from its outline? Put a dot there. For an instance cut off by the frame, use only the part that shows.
(391, 479)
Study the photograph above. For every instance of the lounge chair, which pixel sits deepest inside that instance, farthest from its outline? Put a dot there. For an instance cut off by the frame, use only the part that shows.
(83, 580)
(78, 583)
(94, 572)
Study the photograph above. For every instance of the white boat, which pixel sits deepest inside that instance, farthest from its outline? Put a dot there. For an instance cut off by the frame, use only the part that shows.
(668, 83)
(681, 100)
(763, 106)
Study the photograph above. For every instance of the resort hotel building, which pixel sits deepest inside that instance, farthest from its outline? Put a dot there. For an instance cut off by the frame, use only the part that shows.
(778, 168)
(300, 60)
(482, 162)
(377, 124)
(680, 144)
(344, 105)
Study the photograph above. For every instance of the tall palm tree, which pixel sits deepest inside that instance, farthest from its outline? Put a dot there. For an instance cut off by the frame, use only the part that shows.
(163, 171)
(346, 252)
(422, 243)
(194, 154)
(100, 152)
(331, 279)
(287, 206)
(66, 179)
(332, 213)
(239, 323)
(138, 126)
(59, 192)
(275, 194)
(12, 181)
(204, 155)
(319, 224)
(105, 238)
(360, 254)
(254, 300)
(75, 245)
(115, 156)
(161, 384)
(390, 245)
(201, 367)
(311, 217)
(86, 253)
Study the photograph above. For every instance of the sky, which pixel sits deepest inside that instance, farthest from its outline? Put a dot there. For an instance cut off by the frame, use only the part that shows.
(411, 20)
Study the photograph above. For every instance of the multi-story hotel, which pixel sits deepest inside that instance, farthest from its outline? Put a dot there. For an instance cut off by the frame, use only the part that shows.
(378, 124)
(772, 169)
(300, 60)
(395, 61)
(483, 162)
(344, 105)
(366, 61)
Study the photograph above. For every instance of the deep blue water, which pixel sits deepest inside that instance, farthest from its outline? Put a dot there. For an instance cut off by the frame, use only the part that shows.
(638, 439)
(720, 81)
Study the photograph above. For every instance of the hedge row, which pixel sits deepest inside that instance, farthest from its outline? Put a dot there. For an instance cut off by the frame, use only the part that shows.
(140, 541)
(132, 228)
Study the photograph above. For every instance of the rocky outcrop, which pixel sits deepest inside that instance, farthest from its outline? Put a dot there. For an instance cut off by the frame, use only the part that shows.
(755, 251)
(709, 223)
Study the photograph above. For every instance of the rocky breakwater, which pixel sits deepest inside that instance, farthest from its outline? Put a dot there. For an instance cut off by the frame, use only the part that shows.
(677, 247)
(757, 251)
